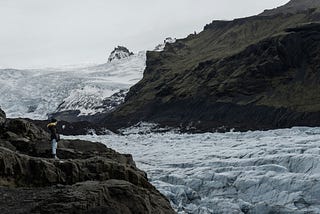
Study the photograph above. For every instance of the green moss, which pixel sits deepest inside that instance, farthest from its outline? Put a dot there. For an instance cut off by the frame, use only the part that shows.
(207, 64)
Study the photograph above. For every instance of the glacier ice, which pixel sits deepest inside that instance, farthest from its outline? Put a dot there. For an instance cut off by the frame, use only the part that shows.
(275, 171)
(35, 93)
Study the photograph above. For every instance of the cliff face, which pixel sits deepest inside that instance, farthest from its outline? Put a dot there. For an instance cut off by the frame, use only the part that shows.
(88, 178)
(253, 73)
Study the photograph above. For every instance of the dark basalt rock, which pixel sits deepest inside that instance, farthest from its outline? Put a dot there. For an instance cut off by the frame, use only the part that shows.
(73, 128)
(88, 178)
(23, 171)
(25, 129)
(2, 117)
(91, 197)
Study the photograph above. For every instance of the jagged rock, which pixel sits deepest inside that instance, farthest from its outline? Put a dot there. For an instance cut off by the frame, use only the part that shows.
(119, 52)
(88, 178)
(23, 170)
(111, 196)
(7, 144)
(21, 127)
(2, 117)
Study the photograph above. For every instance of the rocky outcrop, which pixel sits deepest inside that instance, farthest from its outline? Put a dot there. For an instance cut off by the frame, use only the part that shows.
(23, 170)
(88, 178)
(119, 52)
(259, 72)
(2, 117)
(111, 196)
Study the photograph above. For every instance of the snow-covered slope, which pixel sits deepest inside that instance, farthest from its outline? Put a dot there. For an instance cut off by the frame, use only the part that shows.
(257, 172)
(38, 92)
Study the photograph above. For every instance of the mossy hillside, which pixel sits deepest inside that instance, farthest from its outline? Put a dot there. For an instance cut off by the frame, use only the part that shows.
(177, 66)
(252, 61)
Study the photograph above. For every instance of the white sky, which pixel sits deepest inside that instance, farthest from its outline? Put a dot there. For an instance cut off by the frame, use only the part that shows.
(43, 33)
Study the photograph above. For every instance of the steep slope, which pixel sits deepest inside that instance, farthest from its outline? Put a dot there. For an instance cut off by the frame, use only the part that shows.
(293, 6)
(251, 73)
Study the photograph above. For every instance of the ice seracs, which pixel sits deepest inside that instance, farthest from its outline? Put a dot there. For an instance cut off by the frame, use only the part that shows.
(276, 171)
(86, 89)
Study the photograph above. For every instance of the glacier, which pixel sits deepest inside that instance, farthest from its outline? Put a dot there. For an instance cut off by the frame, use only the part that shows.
(36, 93)
(86, 89)
(276, 171)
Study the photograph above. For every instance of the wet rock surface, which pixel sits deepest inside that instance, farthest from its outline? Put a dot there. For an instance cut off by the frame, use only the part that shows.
(88, 178)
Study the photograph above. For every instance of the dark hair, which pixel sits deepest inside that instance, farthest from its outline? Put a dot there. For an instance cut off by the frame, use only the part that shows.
(53, 120)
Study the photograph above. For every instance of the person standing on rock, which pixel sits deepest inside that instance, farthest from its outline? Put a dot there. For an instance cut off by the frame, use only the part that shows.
(52, 126)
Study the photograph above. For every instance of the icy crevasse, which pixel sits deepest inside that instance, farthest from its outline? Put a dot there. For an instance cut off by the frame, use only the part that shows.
(275, 171)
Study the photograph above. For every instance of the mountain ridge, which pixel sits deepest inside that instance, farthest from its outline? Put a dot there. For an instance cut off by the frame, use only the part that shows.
(257, 66)
(293, 6)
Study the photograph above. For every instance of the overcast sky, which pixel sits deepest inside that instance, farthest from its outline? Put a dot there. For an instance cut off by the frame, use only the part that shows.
(43, 33)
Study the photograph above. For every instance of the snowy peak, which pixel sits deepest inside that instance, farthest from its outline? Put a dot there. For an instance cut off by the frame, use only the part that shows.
(118, 53)
(160, 47)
